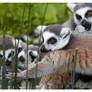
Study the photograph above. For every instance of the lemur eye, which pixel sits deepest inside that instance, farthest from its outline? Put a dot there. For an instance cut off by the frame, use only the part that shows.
(12, 53)
(89, 13)
(52, 40)
(30, 53)
(78, 17)
(19, 49)
(33, 57)
(22, 59)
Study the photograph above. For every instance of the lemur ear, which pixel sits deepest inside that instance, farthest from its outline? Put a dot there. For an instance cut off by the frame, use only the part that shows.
(65, 32)
(71, 6)
(40, 29)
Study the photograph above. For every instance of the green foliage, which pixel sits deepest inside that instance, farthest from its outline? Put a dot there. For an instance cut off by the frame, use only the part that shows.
(11, 16)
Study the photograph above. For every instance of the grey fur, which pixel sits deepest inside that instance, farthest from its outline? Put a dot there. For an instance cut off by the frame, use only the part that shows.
(82, 5)
(8, 42)
(55, 28)
(70, 23)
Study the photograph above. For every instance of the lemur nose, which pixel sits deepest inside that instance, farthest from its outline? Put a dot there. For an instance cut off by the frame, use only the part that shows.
(43, 49)
(8, 63)
(85, 23)
(21, 58)
(33, 57)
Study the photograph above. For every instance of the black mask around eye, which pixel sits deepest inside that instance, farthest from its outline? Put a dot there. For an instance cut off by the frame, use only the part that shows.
(22, 59)
(52, 40)
(19, 50)
(8, 63)
(12, 53)
(88, 13)
(32, 56)
(78, 17)
(86, 25)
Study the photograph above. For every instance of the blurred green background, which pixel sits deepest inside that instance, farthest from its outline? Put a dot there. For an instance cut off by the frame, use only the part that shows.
(11, 16)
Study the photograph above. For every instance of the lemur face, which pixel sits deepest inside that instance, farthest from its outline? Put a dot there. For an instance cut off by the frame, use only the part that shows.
(22, 56)
(52, 42)
(82, 15)
(9, 54)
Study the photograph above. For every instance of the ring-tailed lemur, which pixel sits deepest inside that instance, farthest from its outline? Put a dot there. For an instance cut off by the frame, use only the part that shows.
(55, 37)
(82, 17)
(9, 54)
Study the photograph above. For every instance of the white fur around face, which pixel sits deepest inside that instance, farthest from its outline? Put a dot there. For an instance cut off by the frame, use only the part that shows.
(35, 53)
(82, 13)
(80, 29)
(61, 41)
(47, 35)
(23, 53)
(22, 64)
(65, 31)
(7, 52)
